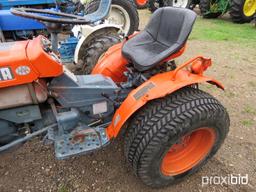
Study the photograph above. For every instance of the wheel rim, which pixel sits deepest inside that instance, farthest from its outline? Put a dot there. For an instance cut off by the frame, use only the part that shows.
(141, 2)
(180, 3)
(190, 151)
(249, 7)
(119, 16)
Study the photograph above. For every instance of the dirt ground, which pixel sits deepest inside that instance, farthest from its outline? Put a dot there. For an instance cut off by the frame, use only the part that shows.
(34, 167)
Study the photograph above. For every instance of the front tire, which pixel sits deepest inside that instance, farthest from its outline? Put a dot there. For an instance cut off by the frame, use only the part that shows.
(172, 137)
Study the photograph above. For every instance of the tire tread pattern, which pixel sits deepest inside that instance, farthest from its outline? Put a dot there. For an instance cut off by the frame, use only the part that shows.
(168, 116)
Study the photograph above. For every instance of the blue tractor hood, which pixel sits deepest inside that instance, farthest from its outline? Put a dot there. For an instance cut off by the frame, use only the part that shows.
(7, 4)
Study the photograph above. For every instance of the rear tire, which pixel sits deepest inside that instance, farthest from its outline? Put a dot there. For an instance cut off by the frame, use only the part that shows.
(237, 12)
(98, 46)
(153, 5)
(126, 7)
(161, 124)
(204, 6)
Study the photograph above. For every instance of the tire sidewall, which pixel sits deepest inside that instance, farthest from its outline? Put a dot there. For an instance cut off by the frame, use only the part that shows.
(128, 5)
(239, 16)
(131, 11)
(158, 155)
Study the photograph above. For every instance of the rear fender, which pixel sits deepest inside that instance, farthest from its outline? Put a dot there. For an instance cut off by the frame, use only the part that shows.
(159, 86)
(85, 33)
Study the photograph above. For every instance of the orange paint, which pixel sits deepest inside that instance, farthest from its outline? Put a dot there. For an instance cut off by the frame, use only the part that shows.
(189, 152)
(31, 54)
(141, 2)
(159, 85)
(112, 64)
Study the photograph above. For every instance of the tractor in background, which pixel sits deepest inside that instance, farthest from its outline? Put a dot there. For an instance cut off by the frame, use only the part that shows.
(241, 11)
(141, 4)
(120, 21)
(155, 4)
(122, 13)
(18, 28)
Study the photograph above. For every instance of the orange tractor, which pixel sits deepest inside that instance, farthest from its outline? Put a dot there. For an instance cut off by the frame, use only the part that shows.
(171, 127)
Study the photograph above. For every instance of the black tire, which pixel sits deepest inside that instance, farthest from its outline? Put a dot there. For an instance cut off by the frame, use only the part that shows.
(98, 46)
(204, 6)
(140, 6)
(128, 5)
(162, 122)
(170, 3)
(193, 4)
(236, 12)
(153, 5)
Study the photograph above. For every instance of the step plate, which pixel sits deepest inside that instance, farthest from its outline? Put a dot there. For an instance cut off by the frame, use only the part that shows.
(80, 141)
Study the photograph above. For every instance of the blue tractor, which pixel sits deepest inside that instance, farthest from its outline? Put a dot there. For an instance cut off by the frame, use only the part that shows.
(15, 27)
(123, 18)
(7, 4)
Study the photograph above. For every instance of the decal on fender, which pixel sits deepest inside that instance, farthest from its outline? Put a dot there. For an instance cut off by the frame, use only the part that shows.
(6, 74)
(140, 93)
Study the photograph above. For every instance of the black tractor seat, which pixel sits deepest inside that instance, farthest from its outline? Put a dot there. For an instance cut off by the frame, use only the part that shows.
(165, 34)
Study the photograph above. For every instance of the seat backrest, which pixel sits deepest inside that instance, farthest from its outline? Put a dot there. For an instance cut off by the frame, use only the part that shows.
(171, 25)
(101, 13)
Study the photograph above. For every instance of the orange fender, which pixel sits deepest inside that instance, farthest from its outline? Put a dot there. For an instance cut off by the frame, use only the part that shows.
(159, 86)
(112, 64)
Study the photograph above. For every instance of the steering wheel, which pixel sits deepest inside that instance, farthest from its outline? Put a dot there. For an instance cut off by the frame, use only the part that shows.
(50, 16)
(54, 21)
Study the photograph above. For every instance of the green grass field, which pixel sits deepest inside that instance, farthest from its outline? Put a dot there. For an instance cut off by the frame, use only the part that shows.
(221, 30)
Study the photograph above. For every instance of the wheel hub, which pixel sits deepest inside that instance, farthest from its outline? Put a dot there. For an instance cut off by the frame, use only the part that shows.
(180, 3)
(188, 152)
(249, 7)
(119, 16)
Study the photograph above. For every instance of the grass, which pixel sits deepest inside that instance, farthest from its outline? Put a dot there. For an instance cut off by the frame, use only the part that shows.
(222, 30)
(252, 83)
(247, 122)
(63, 188)
(249, 110)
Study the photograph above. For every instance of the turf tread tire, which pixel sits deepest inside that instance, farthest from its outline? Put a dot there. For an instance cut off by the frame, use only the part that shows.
(161, 122)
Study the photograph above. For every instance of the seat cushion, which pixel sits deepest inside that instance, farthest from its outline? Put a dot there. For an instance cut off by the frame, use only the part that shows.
(145, 52)
(165, 34)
